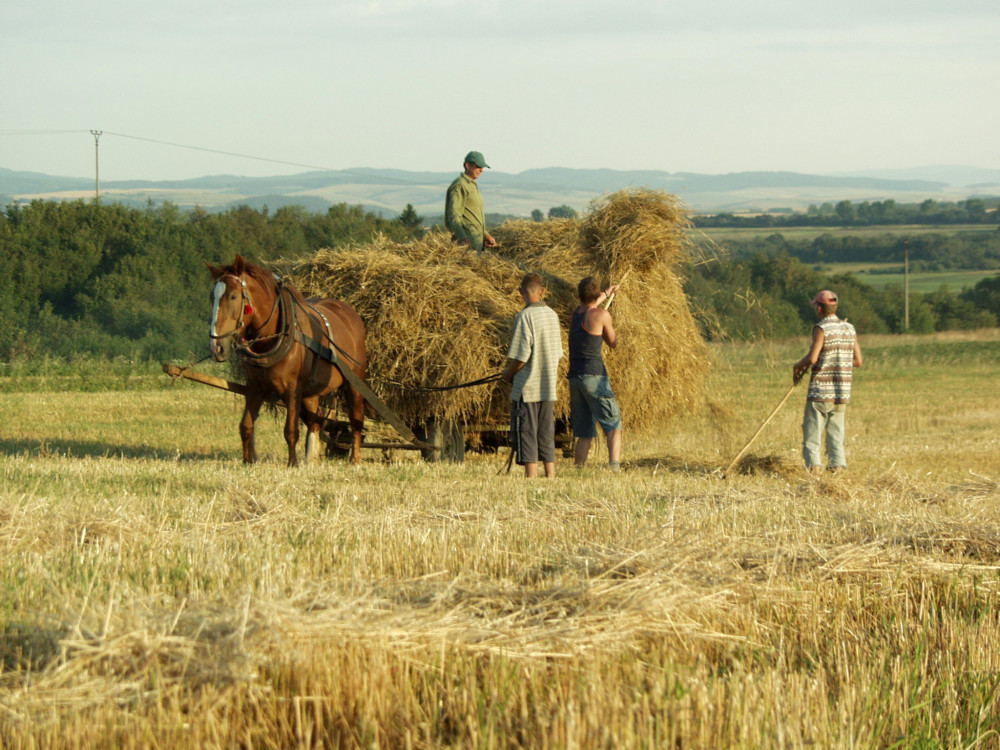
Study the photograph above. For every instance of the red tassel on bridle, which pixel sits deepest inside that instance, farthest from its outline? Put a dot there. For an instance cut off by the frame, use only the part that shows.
(247, 310)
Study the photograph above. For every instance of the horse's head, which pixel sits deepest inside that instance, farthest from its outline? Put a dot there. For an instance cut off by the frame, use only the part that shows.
(232, 307)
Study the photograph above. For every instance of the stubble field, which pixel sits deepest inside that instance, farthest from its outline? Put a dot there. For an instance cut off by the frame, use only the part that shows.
(157, 593)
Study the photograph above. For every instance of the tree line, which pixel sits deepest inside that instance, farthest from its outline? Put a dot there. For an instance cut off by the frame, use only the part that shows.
(78, 278)
(768, 295)
(931, 251)
(108, 279)
(867, 213)
(759, 288)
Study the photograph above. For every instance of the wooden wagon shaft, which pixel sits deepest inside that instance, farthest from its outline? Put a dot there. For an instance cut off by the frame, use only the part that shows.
(376, 446)
(228, 385)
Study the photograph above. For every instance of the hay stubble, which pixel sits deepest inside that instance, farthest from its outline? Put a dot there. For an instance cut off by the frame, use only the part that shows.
(156, 592)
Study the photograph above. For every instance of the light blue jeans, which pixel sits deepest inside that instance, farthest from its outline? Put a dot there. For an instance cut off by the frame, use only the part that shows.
(823, 417)
(590, 400)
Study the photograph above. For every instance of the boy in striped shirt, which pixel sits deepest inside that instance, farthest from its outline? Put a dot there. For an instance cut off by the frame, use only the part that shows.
(532, 370)
(834, 353)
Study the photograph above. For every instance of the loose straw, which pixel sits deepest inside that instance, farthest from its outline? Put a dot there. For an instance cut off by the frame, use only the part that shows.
(759, 430)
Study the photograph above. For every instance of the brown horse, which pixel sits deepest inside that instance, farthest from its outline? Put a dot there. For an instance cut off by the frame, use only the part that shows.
(288, 345)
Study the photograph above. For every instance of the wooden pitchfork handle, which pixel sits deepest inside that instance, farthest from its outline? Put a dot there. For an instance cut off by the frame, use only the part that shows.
(611, 297)
(759, 430)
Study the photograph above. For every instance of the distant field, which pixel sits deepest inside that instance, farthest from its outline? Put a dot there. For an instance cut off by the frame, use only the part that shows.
(809, 233)
(878, 276)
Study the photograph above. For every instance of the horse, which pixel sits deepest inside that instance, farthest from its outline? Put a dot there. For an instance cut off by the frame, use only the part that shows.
(290, 346)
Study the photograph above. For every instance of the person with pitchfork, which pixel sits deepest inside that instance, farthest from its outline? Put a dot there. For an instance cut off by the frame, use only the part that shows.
(834, 354)
(591, 399)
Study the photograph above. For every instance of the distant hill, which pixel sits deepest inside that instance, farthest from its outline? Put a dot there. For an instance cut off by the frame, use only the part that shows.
(955, 176)
(19, 183)
(389, 190)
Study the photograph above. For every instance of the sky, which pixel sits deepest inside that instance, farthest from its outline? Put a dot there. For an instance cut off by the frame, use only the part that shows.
(188, 88)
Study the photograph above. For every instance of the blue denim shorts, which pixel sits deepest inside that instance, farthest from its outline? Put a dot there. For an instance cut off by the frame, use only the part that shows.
(590, 401)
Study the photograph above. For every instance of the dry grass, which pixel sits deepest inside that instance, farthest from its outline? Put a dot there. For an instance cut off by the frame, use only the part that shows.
(157, 593)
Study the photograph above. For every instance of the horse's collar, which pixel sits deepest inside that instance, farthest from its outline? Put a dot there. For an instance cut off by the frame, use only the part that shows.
(283, 337)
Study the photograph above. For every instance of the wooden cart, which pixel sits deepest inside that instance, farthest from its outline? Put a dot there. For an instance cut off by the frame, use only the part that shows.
(437, 440)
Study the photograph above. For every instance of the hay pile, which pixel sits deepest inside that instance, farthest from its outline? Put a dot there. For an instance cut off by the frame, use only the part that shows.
(438, 314)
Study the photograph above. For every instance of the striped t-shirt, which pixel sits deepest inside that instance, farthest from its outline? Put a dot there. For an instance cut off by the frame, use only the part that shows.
(831, 375)
(536, 341)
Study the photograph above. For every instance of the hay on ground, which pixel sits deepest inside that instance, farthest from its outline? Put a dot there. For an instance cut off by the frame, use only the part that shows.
(439, 314)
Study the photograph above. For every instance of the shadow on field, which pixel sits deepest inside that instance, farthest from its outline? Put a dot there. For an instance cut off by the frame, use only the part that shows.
(750, 464)
(27, 646)
(671, 463)
(86, 448)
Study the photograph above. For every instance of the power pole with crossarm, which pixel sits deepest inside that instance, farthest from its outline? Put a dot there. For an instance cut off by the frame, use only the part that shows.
(97, 167)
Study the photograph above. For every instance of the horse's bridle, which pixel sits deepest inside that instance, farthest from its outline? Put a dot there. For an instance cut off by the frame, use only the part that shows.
(246, 307)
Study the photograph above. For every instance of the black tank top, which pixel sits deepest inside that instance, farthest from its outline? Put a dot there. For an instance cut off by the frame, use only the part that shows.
(584, 349)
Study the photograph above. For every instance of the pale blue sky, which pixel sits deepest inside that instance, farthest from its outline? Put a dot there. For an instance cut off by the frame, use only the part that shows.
(692, 85)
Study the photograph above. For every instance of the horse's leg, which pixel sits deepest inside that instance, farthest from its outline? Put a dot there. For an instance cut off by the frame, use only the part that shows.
(251, 409)
(293, 402)
(356, 404)
(310, 415)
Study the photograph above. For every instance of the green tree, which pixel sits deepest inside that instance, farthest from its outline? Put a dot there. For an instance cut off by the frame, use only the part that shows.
(930, 211)
(845, 210)
(956, 313)
(985, 295)
(537, 215)
(975, 209)
(410, 220)
(885, 212)
(562, 212)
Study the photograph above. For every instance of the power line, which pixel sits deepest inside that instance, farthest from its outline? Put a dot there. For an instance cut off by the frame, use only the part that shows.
(39, 132)
(218, 151)
(224, 153)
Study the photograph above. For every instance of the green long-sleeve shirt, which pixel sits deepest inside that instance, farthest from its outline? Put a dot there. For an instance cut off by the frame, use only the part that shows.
(464, 212)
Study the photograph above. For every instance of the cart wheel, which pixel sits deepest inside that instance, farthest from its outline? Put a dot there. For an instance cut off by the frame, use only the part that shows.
(564, 438)
(339, 432)
(447, 436)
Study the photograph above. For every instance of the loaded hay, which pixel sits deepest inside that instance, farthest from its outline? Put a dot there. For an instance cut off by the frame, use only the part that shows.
(439, 314)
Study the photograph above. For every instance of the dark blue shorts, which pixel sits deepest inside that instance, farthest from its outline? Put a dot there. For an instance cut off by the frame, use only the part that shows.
(590, 401)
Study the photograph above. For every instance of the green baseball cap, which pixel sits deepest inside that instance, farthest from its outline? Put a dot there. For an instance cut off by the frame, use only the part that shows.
(477, 158)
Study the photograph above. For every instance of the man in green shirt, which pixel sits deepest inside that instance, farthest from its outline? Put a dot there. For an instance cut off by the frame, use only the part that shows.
(464, 212)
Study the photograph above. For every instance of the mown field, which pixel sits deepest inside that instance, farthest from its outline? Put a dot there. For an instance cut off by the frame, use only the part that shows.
(157, 593)
(723, 234)
(881, 275)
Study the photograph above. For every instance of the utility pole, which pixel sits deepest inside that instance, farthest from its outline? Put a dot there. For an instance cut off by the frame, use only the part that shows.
(97, 167)
(906, 285)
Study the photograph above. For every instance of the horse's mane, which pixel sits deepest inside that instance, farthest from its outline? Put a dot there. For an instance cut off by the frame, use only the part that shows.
(263, 277)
